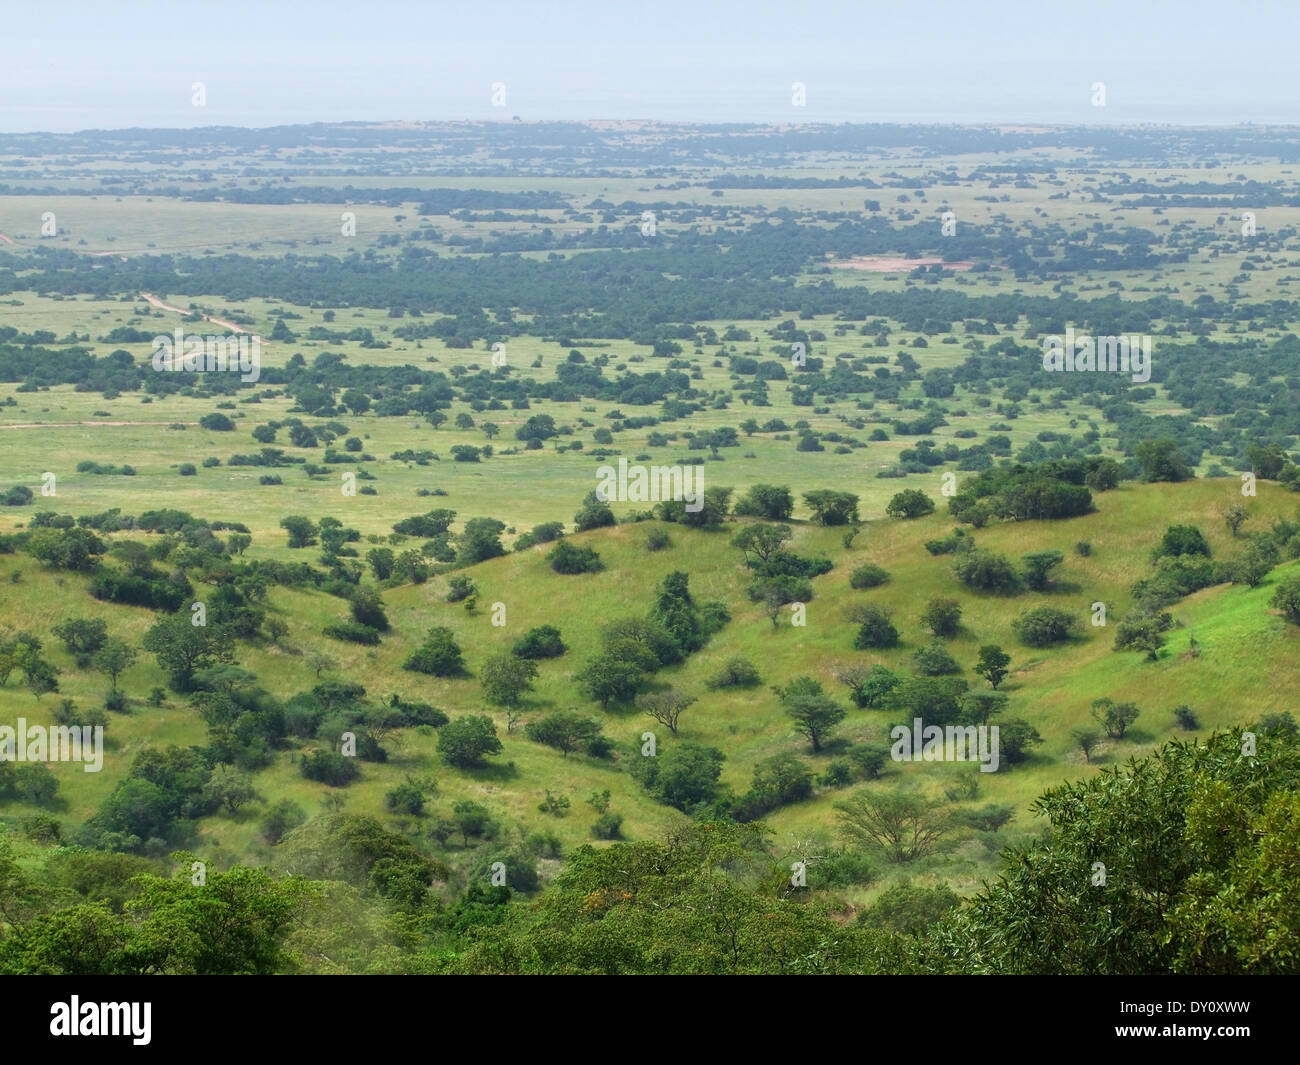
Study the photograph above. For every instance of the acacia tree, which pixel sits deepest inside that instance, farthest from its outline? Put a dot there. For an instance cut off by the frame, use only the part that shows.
(905, 827)
(665, 706)
(814, 713)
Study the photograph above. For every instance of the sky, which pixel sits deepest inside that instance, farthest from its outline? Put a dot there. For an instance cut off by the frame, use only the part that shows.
(69, 65)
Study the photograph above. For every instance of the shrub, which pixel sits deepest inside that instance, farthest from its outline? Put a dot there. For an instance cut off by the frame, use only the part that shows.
(876, 630)
(736, 673)
(868, 576)
(329, 767)
(910, 503)
(608, 826)
(353, 632)
(942, 616)
(567, 558)
(657, 540)
(986, 571)
(1044, 626)
(933, 660)
(541, 642)
(439, 654)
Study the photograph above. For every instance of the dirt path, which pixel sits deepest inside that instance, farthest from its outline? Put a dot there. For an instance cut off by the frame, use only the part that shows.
(156, 302)
(7, 240)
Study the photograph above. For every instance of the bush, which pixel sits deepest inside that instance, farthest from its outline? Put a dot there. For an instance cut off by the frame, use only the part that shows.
(942, 616)
(986, 571)
(439, 655)
(353, 632)
(541, 642)
(608, 826)
(188, 469)
(407, 798)
(281, 819)
(1181, 540)
(868, 576)
(569, 559)
(458, 588)
(737, 673)
(1083, 548)
(217, 423)
(1186, 718)
(876, 630)
(657, 540)
(1044, 626)
(910, 503)
(933, 660)
(329, 767)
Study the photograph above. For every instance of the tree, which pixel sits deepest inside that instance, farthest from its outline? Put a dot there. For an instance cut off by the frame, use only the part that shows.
(356, 401)
(464, 742)
(765, 500)
(665, 706)
(773, 593)
(942, 616)
(814, 714)
(367, 608)
(438, 655)
(114, 657)
(832, 508)
(683, 776)
(1142, 632)
(228, 787)
(480, 541)
(1267, 462)
(82, 636)
(1235, 515)
(977, 707)
(1258, 557)
(182, 648)
(301, 530)
(564, 730)
(1087, 739)
(762, 541)
(910, 503)
(505, 678)
(1037, 565)
(1161, 461)
(612, 678)
(905, 827)
(472, 819)
(1286, 598)
(1114, 717)
(381, 562)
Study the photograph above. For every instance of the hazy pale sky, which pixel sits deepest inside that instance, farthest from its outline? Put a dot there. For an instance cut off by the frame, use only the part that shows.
(100, 64)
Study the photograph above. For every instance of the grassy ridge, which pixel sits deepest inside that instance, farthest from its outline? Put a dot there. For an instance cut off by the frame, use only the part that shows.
(1248, 664)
